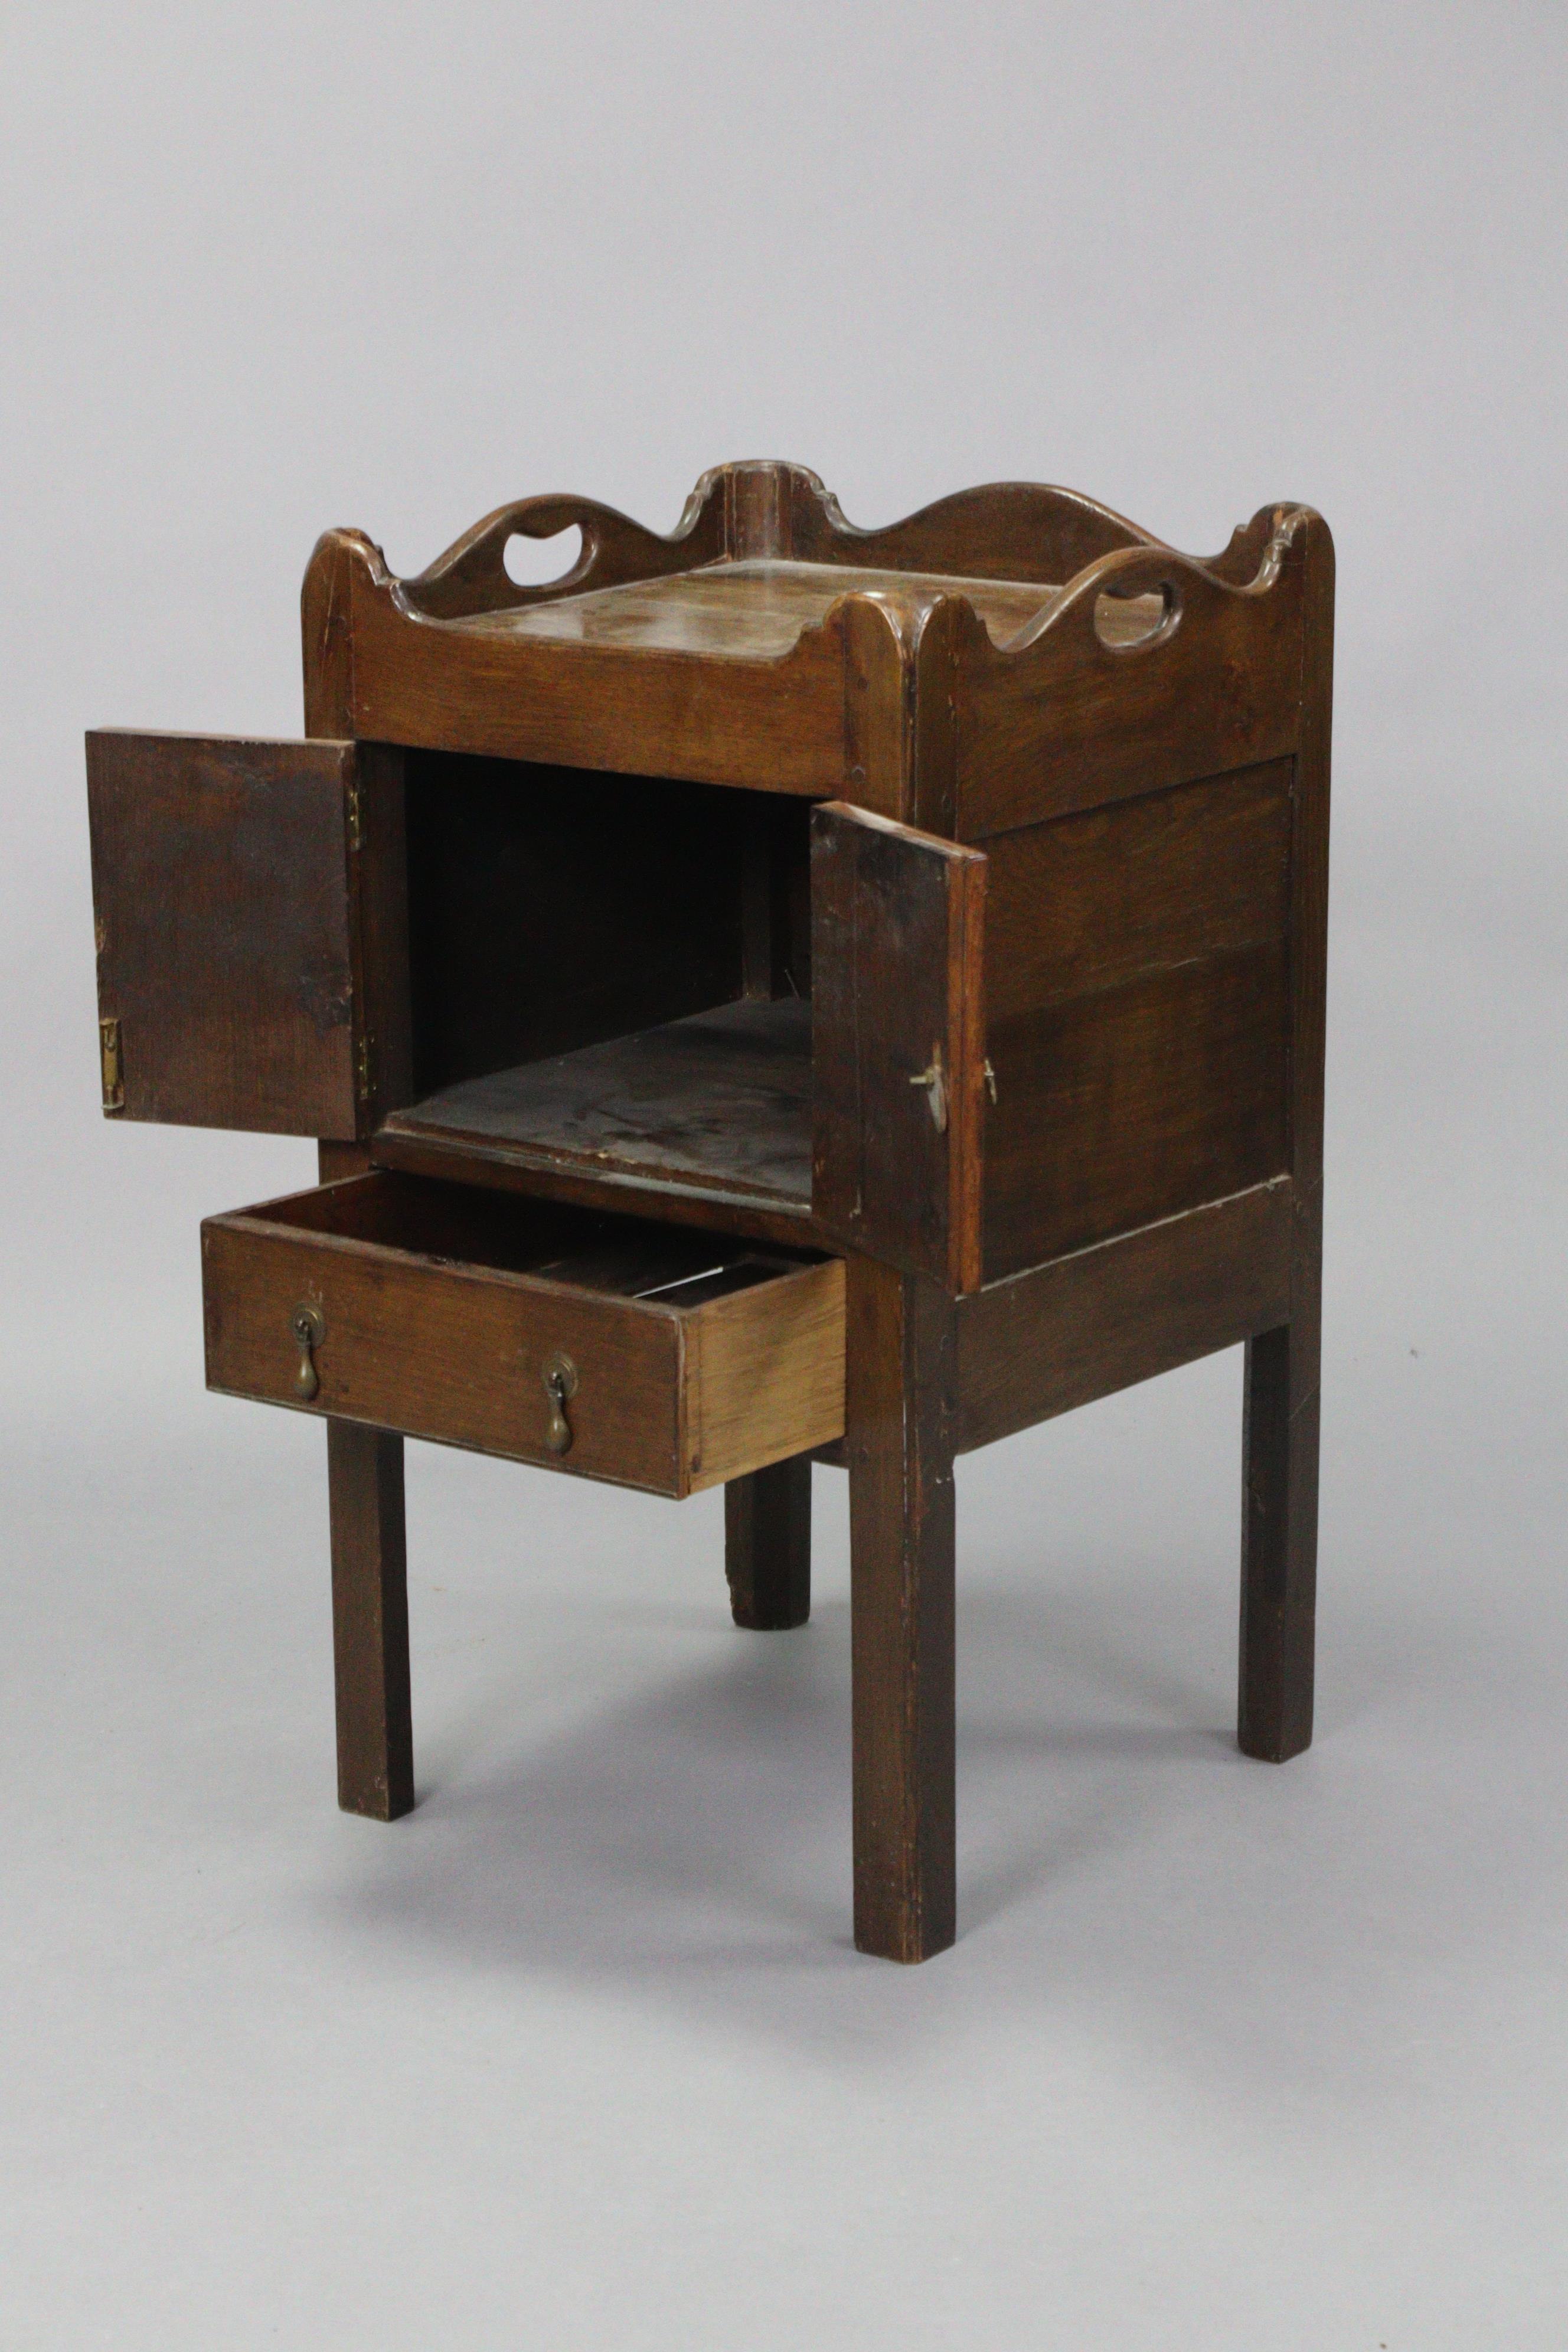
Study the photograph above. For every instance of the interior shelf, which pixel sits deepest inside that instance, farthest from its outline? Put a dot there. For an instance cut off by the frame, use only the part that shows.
(719, 1102)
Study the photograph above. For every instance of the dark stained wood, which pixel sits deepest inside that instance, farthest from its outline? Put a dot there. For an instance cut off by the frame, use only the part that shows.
(451, 1352)
(733, 653)
(776, 897)
(1065, 1334)
(695, 1360)
(1136, 984)
(336, 1160)
(720, 1103)
(1012, 532)
(326, 628)
(1004, 531)
(899, 1416)
(452, 685)
(1060, 720)
(735, 677)
(456, 1159)
(370, 1622)
(552, 909)
(1133, 1103)
(759, 611)
(1140, 888)
(545, 913)
(472, 577)
(766, 509)
(1278, 1546)
(878, 713)
(767, 1546)
(898, 920)
(224, 886)
(1279, 1511)
(379, 904)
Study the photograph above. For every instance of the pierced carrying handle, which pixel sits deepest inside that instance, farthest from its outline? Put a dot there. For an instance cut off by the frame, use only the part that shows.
(559, 1374)
(472, 577)
(308, 1327)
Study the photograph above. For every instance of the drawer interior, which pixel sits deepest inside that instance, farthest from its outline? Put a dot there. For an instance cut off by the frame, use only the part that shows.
(582, 1249)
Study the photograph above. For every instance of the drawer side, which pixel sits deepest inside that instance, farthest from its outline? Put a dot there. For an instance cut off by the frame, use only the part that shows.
(764, 1375)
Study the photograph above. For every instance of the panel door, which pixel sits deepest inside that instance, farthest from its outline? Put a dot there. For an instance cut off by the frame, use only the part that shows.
(899, 1068)
(226, 895)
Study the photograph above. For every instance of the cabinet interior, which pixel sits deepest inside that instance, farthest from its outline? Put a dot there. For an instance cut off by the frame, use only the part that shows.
(611, 973)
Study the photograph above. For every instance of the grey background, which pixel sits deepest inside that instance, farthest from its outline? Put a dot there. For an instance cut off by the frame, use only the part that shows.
(579, 2055)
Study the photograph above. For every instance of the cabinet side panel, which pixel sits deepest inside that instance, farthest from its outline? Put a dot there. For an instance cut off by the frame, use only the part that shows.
(1137, 982)
(221, 892)
(1073, 721)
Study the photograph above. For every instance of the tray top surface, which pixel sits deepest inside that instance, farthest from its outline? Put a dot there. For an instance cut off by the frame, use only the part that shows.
(751, 611)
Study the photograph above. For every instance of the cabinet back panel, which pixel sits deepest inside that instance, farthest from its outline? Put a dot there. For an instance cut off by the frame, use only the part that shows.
(553, 907)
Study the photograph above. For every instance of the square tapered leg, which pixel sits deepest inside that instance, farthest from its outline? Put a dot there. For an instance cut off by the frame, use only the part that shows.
(901, 1535)
(370, 1620)
(1279, 1544)
(767, 1546)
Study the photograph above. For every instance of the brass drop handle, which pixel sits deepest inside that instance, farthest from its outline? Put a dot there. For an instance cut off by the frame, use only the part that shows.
(935, 1084)
(309, 1328)
(559, 1374)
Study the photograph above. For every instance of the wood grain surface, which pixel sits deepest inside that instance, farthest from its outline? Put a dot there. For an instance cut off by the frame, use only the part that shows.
(720, 1101)
(223, 896)
(1068, 1333)
(767, 1547)
(1068, 718)
(696, 1362)
(370, 1622)
(900, 1414)
(1051, 654)
(897, 1066)
(1279, 1490)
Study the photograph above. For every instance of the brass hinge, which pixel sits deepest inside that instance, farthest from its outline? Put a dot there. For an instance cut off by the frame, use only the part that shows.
(361, 1068)
(356, 827)
(110, 1067)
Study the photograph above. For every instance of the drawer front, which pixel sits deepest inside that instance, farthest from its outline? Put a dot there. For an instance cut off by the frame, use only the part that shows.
(664, 1399)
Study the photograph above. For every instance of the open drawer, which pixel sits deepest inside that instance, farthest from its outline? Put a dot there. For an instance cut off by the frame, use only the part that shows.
(648, 1355)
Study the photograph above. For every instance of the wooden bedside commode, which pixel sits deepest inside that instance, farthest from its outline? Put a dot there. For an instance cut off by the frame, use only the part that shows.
(782, 991)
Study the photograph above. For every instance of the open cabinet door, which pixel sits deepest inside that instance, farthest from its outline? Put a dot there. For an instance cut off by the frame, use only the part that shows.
(898, 1043)
(233, 927)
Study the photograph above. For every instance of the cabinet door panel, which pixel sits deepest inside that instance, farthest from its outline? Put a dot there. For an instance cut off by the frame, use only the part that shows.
(223, 893)
(898, 1043)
